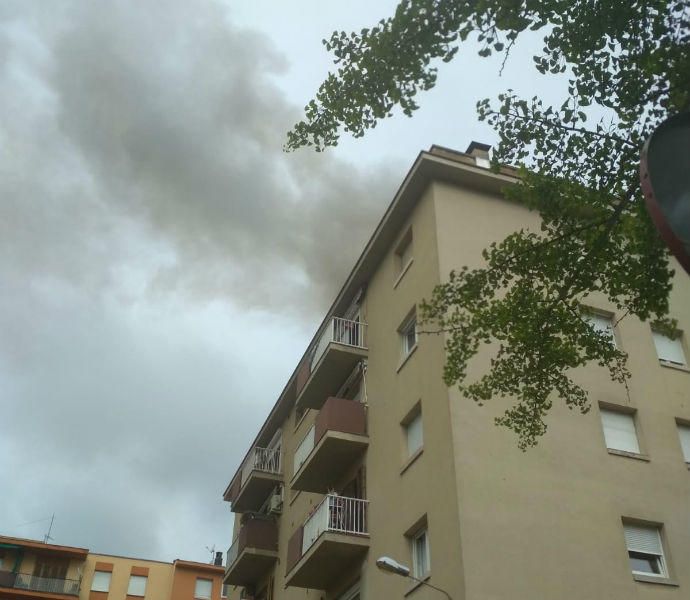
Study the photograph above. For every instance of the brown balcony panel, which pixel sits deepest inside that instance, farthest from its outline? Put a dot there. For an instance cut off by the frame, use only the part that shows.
(7, 579)
(255, 491)
(257, 552)
(340, 438)
(335, 364)
(327, 559)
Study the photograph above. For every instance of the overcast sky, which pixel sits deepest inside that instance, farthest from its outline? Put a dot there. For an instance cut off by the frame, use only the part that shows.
(163, 264)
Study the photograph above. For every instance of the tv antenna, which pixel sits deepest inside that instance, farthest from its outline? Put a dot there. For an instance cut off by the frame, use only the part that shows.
(47, 537)
(212, 550)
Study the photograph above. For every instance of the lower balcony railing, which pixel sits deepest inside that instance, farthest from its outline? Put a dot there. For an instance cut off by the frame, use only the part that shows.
(266, 460)
(330, 540)
(34, 583)
(338, 514)
(259, 475)
(340, 331)
(342, 344)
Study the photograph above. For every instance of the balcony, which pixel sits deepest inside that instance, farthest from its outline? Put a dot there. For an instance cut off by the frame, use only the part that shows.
(331, 541)
(341, 346)
(253, 552)
(23, 584)
(333, 444)
(260, 474)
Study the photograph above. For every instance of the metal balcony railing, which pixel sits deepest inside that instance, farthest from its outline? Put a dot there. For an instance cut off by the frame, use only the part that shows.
(262, 459)
(340, 331)
(53, 585)
(337, 514)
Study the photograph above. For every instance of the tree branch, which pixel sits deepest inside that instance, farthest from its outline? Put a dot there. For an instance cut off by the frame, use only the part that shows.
(565, 127)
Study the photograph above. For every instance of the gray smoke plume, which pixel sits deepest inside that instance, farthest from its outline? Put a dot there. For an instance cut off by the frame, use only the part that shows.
(156, 245)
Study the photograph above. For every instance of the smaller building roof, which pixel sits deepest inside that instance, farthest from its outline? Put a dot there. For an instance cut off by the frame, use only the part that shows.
(198, 566)
(42, 547)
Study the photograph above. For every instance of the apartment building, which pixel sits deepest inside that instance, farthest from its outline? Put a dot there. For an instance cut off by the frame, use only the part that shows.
(366, 453)
(33, 570)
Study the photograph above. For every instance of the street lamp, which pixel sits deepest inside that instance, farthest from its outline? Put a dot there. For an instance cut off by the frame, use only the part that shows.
(386, 563)
(665, 179)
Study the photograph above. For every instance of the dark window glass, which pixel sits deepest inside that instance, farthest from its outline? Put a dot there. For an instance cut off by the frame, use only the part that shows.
(644, 563)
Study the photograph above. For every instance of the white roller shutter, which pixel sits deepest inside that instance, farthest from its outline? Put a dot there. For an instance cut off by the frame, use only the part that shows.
(640, 538)
(667, 349)
(619, 431)
(203, 589)
(137, 585)
(101, 581)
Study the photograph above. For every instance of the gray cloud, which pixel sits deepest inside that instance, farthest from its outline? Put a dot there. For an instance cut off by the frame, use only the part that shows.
(181, 127)
(156, 245)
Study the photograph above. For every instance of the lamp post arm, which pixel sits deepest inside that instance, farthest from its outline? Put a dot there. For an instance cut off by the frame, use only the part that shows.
(433, 587)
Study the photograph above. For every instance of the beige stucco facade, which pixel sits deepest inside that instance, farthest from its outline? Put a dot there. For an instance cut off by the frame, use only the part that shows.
(164, 580)
(501, 524)
(159, 577)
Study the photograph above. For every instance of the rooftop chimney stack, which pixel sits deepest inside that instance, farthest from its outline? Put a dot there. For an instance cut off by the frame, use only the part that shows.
(219, 559)
(480, 152)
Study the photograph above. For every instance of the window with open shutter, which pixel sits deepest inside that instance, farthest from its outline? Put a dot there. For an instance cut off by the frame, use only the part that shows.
(645, 549)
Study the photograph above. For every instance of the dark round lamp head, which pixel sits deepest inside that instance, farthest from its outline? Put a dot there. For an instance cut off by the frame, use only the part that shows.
(665, 178)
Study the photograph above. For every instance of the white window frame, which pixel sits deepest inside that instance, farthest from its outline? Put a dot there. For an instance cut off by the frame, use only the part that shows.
(646, 552)
(408, 326)
(101, 588)
(661, 340)
(610, 421)
(134, 579)
(224, 588)
(684, 438)
(404, 252)
(415, 420)
(198, 594)
(416, 567)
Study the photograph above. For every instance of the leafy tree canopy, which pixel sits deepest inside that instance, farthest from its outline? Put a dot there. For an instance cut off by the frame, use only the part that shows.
(629, 58)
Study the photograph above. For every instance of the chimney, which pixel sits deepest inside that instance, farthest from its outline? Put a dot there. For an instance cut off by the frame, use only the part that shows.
(218, 562)
(480, 152)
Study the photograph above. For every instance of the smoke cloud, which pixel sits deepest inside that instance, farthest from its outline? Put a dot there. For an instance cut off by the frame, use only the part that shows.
(162, 264)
